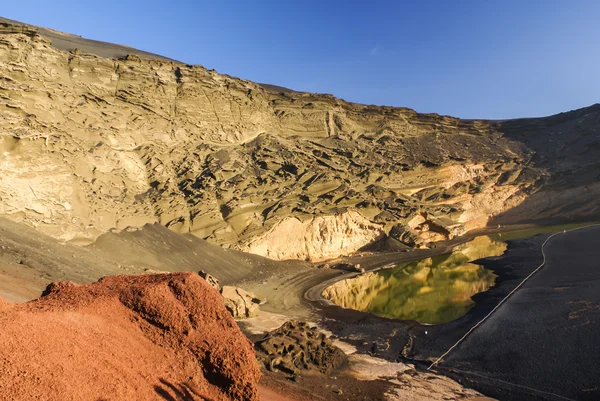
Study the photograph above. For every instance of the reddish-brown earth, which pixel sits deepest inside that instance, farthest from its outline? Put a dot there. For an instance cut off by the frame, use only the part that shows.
(151, 337)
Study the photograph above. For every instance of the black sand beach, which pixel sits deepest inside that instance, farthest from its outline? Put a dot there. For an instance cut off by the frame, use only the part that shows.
(540, 344)
(543, 342)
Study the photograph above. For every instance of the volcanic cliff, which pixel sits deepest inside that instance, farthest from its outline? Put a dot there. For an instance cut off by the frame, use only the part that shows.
(91, 144)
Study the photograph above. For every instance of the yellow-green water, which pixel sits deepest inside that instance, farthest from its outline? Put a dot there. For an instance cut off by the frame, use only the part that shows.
(433, 290)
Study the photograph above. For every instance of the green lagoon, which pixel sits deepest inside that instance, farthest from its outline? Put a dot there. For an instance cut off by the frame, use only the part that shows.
(432, 290)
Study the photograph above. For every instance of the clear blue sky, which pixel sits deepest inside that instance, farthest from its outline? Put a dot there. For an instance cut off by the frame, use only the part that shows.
(467, 58)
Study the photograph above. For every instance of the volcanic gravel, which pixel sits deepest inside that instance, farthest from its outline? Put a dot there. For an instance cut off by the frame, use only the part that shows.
(150, 337)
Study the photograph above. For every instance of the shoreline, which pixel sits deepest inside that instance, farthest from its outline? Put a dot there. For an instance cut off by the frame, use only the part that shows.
(379, 261)
(551, 319)
(297, 294)
(423, 347)
(399, 343)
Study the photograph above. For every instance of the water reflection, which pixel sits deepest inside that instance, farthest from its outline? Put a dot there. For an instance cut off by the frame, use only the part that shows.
(433, 290)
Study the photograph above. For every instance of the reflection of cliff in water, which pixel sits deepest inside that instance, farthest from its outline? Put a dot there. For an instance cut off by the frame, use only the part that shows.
(432, 290)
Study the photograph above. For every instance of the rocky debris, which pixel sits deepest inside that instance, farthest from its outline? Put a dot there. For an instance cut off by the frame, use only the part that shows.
(296, 347)
(404, 235)
(240, 303)
(91, 144)
(422, 231)
(150, 337)
(211, 280)
(349, 267)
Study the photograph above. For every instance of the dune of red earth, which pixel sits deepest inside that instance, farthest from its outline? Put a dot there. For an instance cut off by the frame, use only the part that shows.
(151, 337)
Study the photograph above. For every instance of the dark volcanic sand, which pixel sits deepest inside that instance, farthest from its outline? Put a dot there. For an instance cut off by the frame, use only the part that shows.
(543, 337)
(547, 335)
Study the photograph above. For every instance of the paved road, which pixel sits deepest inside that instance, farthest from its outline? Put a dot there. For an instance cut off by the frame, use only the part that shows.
(544, 341)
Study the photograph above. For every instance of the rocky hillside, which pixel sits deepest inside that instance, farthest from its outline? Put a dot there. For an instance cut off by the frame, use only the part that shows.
(91, 144)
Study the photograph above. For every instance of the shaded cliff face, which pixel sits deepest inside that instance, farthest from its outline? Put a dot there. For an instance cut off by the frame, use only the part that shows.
(90, 144)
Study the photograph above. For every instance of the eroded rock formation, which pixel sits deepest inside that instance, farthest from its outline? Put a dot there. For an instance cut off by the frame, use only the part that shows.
(297, 347)
(90, 144)
(240, 303)
(317, 238)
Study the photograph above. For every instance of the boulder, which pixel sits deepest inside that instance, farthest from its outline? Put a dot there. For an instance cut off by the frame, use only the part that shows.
(350, 267)
(211, 280)
(240, 303)
(404, 235)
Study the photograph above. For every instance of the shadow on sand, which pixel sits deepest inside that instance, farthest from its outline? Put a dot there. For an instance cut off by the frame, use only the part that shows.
(179, 392)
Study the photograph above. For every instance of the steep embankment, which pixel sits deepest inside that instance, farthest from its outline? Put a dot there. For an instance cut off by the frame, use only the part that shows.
(150, 337)
(91, 144)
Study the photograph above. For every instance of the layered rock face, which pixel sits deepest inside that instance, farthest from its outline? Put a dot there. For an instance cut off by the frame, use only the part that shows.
(151, 337)
(317, 238)
(90, 144)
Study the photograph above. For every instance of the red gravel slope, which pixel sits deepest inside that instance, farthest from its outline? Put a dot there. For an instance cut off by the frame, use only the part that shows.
(152, 337)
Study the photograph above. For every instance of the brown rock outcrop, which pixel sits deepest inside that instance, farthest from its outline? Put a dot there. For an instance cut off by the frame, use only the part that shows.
(211, 280)
(240, 303)
(151, 337)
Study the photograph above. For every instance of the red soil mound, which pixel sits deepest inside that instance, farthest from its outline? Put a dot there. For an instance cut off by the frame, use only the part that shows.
(152, 337)
(4, 304)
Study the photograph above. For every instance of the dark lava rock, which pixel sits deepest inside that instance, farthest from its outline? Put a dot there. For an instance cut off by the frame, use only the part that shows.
(404, 235)
(296, 346)
(350, 267)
